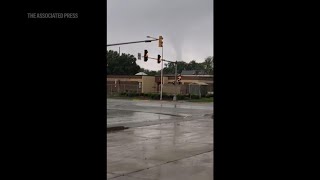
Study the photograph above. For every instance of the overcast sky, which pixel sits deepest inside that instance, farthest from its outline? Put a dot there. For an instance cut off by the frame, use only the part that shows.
(186, 27)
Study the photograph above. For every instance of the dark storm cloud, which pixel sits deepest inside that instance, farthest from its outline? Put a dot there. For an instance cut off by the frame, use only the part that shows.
(186, 26)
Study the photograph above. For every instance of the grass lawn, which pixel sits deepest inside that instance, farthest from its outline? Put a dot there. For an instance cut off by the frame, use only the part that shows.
(201, 100)
(126, 97)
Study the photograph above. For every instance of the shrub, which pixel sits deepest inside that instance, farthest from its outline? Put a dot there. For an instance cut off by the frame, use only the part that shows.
(194, 96)
(155, 96)
(181, 97)
(132, 94)
(167, 97)
(209, 95)
(170, 97)
(164, 96)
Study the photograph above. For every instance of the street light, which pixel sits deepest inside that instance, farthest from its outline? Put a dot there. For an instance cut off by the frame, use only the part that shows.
(152, 38)
(161, 87)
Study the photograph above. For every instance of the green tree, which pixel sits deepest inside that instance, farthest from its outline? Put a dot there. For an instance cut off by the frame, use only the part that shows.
(148, 72)
(193, 65)
(121, 65)
(170, 67)
(208, 65)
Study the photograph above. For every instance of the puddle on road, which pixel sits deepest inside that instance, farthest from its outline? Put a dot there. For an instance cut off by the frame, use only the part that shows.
(182, 106)
(124, 116)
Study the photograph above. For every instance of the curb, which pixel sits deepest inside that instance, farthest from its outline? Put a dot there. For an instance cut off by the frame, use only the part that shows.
(116, 128)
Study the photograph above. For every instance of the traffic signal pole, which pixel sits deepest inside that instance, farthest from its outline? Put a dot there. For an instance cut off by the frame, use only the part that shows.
(175, 82)
(117, 44)
(161, 75)
(175, 76)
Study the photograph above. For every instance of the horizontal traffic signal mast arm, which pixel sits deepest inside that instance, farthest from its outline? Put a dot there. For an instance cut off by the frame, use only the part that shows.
(117, 44)
(162, 60)
(168, 61)
(153, 58)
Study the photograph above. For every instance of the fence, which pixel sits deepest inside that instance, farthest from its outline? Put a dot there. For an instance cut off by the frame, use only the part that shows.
(121, 88)
(198, 89)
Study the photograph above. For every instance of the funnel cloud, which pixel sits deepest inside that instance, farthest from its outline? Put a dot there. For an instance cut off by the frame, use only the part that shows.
(186, 26)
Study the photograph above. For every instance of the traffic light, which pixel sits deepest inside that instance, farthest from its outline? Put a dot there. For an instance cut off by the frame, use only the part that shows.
(160, 41)
(159, 58)
(145, 55)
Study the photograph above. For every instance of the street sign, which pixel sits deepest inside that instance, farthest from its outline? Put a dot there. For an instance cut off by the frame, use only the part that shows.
(139, 56)
(179, 79)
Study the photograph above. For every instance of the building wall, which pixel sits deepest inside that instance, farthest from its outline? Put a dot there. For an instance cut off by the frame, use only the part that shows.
(148, 84)
(171, 89)
(192, 79)
(151, 84)
(124, 78)
(122, 83)
(209, 78)
(165, 80)
(123, 86)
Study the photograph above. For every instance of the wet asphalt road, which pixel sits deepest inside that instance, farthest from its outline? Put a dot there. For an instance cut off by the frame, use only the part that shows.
(165, 141)
(141, 113)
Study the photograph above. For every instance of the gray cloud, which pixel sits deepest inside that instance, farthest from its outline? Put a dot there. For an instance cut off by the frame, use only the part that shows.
(186, 26)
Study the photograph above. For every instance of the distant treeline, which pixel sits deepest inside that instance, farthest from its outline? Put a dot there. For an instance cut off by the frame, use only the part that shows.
(125, 64)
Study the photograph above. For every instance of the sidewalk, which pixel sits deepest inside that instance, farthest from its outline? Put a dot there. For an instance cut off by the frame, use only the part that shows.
(181, 150)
